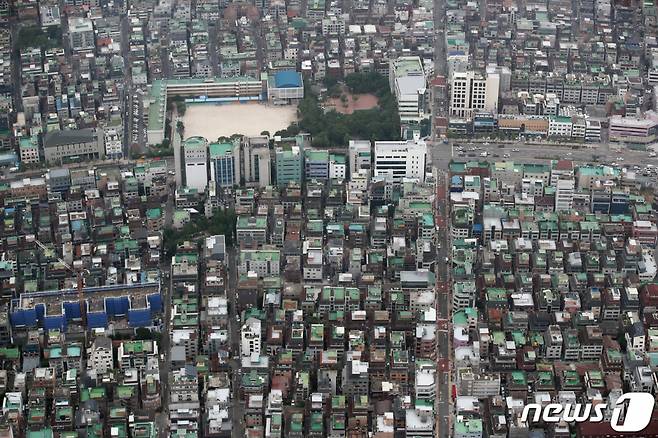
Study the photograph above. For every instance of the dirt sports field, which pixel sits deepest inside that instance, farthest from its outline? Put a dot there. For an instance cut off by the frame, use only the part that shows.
(354, 103)
(213, 121)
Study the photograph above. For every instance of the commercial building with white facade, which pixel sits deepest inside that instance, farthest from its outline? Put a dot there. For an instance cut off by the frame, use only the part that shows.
(195, 155)
(408, 84)
(631, 129)
(395, 160)
(559, 126)
(473, 92)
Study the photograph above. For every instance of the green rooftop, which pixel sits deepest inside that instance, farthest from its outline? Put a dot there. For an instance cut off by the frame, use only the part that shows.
(251, 222)
(469, 426)
(218, 150)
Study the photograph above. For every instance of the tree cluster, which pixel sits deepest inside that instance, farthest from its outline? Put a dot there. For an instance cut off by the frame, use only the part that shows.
(34, 36)
(222, 222)
(335, 129)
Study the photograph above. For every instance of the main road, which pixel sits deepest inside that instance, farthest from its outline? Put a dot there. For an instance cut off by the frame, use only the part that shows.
(538, 152)
(442, 407)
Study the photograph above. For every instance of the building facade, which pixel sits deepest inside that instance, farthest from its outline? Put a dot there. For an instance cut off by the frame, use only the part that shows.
(195, 156)
(73, 145)
(473, 92)
(395, 160)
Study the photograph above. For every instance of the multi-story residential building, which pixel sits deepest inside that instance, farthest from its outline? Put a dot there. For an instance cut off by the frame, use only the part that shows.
(264, 262)
(316, 164)
(250, 337)
(564, 193)
(113, 142)
(289, 165)
(252, 228)
(135, 354)
(101, 356)
(81, 34)
(360, 156)
(29, 150)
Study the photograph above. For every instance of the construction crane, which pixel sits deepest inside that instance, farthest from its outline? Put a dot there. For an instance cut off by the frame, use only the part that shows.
(80, 284)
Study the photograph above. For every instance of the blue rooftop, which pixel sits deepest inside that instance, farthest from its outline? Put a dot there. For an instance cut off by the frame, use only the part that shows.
(287, 79)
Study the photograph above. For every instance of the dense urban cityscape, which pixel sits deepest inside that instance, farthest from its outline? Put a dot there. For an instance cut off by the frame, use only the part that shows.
(341, 219)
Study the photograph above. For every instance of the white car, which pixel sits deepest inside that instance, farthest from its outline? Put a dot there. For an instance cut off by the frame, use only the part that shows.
(515, 150)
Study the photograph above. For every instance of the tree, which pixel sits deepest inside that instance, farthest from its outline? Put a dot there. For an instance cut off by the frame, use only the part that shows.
(142, 333)
(181, 107)
(34, 36)
(367, 83)
(334, 91)
(223, 222)
(334, 129)
(265, 133)
(425, 127)
(329, 81)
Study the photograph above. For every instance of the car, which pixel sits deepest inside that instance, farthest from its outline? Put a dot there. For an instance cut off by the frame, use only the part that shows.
(446, 259)
(515, 150)
(652, 154)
